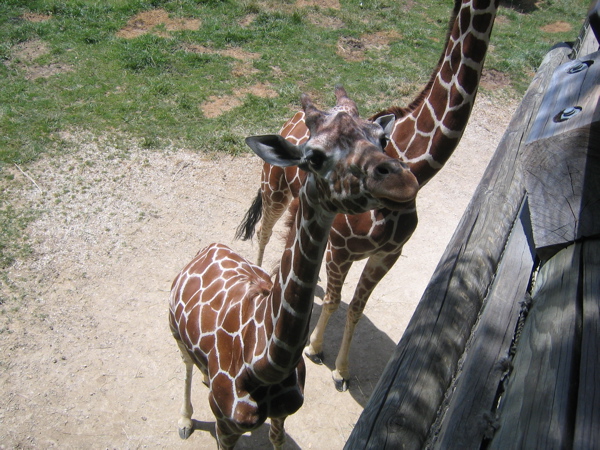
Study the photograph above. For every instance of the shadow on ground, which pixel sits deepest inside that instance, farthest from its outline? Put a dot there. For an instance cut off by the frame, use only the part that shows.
(369, 353)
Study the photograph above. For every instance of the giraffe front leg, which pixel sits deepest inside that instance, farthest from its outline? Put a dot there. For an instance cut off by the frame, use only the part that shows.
(335, 280)
(277, 433)
(314, 349)
(226, 437)
(374, 271)
(185, 423)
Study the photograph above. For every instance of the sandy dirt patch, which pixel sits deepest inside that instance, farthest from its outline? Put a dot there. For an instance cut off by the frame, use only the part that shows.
(156, 21)
(25, 54)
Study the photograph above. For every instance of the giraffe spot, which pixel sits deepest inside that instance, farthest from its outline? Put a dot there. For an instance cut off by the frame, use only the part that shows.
(456, 98)
(481, 22)
(475, 47)
(193, 324)
(232, 321)
(425, 121)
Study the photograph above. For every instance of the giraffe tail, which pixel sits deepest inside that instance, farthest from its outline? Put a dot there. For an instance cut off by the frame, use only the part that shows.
(245, 230)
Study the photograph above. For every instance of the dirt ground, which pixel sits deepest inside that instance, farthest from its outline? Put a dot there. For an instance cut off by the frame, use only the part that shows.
(87, 358)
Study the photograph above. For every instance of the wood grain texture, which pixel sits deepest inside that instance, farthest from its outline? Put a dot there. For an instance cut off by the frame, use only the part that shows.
(562, 178)
(587, 431)
(468, 419)
(536, 409)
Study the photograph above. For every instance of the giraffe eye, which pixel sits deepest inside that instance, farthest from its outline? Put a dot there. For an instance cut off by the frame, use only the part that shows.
(383, 141)
(316, 159)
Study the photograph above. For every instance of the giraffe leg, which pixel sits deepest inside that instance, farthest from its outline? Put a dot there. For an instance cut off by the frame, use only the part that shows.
(226, 437)
(277, 433)
(336, 274)
(374, 271)
(274, 205)
(185, 424)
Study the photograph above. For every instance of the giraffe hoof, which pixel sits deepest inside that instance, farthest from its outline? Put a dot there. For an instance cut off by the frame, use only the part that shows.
(317, 358)
(341, 385)
(185, 432)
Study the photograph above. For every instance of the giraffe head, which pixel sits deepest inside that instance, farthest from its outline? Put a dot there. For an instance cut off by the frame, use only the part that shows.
(348, 169)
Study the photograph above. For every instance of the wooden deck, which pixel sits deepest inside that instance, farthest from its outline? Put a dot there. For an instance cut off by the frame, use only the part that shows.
(503, 350)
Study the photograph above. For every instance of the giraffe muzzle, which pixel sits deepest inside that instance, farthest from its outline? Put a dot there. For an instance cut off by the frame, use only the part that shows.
(393, 183)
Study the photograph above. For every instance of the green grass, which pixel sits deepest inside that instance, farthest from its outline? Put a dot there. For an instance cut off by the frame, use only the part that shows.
(151, 87)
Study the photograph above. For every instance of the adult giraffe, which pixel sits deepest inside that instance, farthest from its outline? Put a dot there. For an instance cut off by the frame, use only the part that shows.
(246, 333)
(425, 134)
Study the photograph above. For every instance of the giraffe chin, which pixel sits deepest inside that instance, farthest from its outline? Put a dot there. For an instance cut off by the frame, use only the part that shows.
(394, 205)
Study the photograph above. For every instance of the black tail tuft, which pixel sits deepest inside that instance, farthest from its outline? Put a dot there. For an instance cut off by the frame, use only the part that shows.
(246, 229)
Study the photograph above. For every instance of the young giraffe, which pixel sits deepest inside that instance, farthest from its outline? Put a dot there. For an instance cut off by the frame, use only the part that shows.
(425, 134)
(246, 333)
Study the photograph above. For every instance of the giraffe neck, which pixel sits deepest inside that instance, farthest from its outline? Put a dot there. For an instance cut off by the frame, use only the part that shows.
(291, 298)
(429, 129)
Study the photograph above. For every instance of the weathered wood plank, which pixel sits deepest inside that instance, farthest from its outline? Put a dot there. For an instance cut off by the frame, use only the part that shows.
(405, 401)
(562, 178)
(587, 429)
(467, 418)
(574, 88)
(536, 409)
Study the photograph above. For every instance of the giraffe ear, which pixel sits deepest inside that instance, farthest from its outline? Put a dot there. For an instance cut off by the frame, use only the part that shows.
(275, 150)
(387, 123)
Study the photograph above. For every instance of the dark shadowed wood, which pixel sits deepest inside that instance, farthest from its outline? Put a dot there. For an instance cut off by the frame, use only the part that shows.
(562, 178)
(587, 429)
(467, 419)
(405, 402)
(536, 409)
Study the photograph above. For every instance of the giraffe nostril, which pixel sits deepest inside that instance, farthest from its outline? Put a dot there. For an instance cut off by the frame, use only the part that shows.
(382, 170)
(386, 168)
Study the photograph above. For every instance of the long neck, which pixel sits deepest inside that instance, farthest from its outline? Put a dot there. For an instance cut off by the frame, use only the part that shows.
(291, 298)
(429, 129)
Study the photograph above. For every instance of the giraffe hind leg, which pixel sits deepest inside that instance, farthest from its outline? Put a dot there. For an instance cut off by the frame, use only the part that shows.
(185, 423)
(271, 212)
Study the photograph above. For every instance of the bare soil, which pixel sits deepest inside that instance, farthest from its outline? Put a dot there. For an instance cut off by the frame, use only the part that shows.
(87, 358)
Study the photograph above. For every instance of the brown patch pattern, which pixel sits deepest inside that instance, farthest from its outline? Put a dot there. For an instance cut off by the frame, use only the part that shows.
(333, 4)
(352, 49)
(24, 55)
(149, 22)
(494, 79)
(215, 106)
(34, 17)
(557, 27)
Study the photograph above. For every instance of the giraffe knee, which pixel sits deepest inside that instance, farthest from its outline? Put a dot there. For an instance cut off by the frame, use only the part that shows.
(330, 307)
